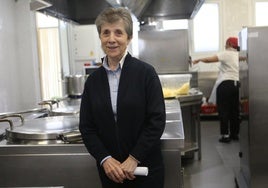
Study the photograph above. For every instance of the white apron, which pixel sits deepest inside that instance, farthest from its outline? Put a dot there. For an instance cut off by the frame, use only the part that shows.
(213, 96)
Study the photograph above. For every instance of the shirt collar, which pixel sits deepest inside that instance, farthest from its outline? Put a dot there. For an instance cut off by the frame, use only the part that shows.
(121, 62)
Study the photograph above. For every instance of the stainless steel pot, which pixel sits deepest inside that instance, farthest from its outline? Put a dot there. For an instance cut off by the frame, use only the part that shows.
(75, 85)
(65, 106)
(42, 130)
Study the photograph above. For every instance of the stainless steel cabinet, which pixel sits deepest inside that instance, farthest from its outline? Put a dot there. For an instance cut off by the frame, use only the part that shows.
(167, 50)
(254, 126)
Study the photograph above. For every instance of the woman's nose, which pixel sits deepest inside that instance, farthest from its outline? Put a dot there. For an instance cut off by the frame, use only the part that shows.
(111, 38)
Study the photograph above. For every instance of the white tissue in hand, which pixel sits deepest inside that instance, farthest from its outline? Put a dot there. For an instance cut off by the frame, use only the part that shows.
(141, 171)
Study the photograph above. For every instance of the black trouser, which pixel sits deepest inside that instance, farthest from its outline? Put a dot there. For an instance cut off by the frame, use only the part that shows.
(228, 107)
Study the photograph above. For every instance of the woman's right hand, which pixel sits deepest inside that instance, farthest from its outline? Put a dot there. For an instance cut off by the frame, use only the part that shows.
(113, 170)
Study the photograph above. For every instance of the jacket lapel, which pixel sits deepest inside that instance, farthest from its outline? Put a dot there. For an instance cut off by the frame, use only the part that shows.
(105, 93)
(124, 81)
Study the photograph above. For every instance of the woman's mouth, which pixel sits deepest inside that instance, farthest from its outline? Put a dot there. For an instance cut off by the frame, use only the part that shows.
(112, 47)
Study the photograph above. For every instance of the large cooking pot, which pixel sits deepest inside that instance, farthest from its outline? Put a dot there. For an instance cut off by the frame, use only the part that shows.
(64, 106)
(46, 130)
(75, 85)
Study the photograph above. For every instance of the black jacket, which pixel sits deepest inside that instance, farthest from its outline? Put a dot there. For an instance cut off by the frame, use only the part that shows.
(140, 114)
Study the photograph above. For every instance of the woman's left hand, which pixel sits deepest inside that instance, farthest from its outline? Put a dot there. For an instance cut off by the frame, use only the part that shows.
(128, 167)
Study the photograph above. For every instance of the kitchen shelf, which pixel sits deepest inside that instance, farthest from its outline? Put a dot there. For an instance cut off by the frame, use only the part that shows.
(189, 146)
(212, 116)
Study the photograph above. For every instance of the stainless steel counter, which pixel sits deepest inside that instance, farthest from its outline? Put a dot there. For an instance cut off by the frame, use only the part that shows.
(70, 165)
(64, 165)
(190, 107)
(191, 99)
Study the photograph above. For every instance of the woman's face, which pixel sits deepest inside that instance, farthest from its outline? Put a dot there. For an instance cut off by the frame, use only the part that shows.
(114, 40)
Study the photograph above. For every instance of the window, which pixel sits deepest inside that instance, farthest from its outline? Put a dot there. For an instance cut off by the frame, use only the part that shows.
(206, 29)
(44, 21)
(261, 13)
(175, 24)
(49, 56)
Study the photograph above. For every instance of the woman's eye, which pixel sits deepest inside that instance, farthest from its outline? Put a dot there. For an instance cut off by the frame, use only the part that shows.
(106, 32)
(119, 32)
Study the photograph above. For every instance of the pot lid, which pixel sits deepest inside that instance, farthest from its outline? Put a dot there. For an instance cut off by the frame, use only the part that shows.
(48, 128)
(67, 110)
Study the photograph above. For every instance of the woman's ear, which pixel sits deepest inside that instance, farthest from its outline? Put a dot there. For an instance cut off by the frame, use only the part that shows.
(129, 39)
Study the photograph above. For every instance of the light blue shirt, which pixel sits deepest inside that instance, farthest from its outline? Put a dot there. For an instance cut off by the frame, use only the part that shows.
(113, 78)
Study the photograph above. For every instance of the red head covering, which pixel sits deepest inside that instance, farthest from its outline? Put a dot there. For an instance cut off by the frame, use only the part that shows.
(233, 42)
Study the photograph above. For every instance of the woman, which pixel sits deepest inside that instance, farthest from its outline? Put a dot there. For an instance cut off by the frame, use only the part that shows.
(122, 115)
(227, 89)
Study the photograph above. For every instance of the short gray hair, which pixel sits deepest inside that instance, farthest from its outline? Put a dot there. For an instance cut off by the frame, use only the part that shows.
(112, 15)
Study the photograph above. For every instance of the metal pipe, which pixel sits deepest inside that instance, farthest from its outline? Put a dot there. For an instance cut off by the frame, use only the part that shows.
(46, 103)
(3, 115)
(4, 119)
(9, 121)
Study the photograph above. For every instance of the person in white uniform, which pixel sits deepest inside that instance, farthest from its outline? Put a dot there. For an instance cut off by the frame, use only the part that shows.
(226, 89)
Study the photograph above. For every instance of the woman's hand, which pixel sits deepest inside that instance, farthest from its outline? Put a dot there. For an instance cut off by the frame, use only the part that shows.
(113, 170)
(128, 167)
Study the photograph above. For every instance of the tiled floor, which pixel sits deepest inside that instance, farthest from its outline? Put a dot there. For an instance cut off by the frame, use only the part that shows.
(219, 160)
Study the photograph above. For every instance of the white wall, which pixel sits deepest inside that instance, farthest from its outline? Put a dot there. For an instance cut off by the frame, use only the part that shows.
(236, 15)
(19, 80)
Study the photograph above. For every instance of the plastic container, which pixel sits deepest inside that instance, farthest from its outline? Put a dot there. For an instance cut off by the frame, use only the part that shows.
(208, 109)
(175, 84)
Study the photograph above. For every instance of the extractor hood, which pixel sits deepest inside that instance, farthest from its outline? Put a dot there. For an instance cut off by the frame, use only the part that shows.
(137, 7)
(85, 11)
(172, 9)
(78, 11)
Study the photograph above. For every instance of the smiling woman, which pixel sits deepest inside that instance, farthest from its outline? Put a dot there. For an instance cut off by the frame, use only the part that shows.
(122, 114)
(114, 42)
(115, 32)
